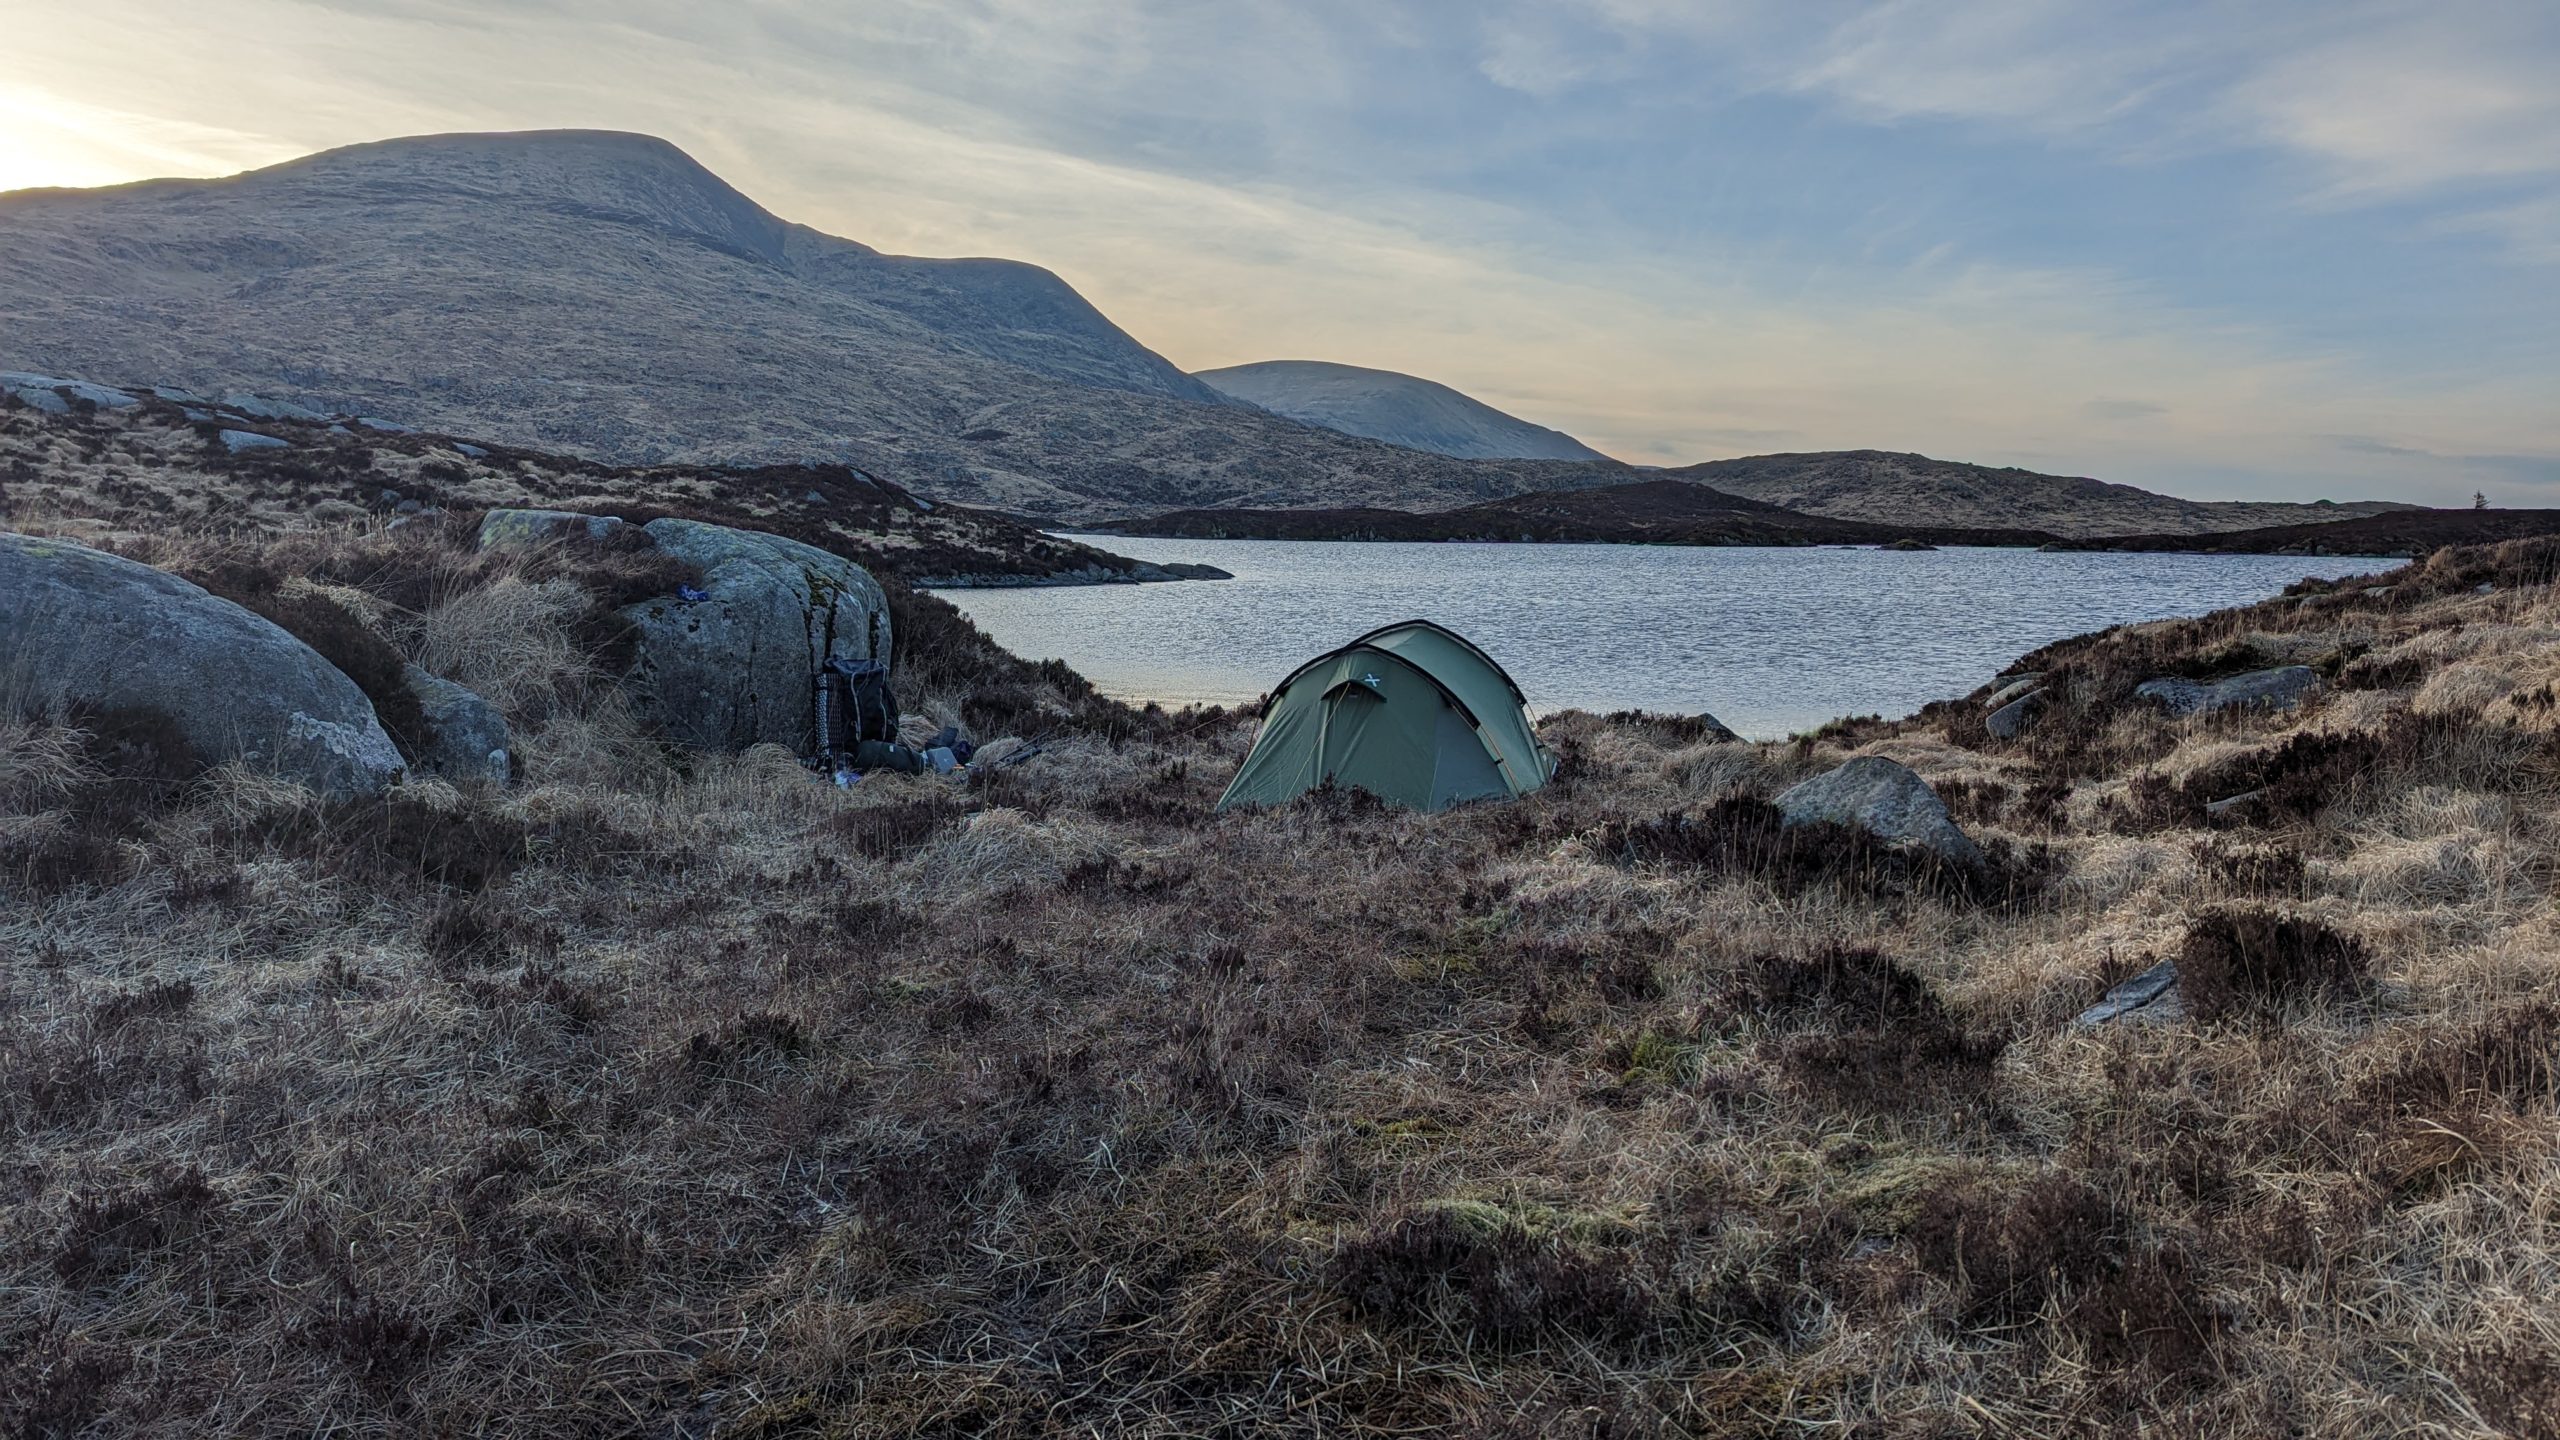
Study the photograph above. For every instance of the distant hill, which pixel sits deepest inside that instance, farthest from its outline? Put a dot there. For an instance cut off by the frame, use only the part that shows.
(604, 295)
(1897, 489)
(2410, 531)
(1398, 409)
(1645, 512)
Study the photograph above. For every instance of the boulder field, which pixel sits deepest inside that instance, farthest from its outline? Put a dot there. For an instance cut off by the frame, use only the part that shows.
(722, 664)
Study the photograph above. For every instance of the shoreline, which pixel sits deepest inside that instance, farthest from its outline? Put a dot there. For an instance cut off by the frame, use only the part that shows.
(2102, 547)
(2110, 545)
(2397, 535)
(1143, 572)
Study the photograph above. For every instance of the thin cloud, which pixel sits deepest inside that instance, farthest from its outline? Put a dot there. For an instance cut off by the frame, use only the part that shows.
(2460, 92)
(2517, 469)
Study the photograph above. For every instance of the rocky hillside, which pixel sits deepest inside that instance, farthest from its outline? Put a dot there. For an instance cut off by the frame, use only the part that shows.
(1399, 409)
(605, 296)
(144, 461)
(1895, 489)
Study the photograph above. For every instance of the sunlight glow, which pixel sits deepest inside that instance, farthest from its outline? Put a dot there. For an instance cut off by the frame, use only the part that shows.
(47, 140)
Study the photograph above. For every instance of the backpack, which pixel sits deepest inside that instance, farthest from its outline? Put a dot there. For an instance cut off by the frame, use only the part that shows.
(855, 704)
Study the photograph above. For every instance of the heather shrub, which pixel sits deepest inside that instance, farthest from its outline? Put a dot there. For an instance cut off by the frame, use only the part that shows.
(1748, 838)
(2257, 962)
(1489, 1274)
(1867, 1033)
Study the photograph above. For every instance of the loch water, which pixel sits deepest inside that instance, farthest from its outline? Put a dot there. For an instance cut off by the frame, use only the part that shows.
(1771, 641)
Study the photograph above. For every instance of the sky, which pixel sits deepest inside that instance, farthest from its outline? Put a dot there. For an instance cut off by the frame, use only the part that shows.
(2286, 249)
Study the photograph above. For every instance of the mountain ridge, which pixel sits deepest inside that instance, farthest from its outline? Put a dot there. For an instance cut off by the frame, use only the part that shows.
(604, 294)
(1397, 408)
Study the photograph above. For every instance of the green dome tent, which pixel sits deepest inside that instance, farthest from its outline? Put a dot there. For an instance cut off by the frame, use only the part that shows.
(1409, 712)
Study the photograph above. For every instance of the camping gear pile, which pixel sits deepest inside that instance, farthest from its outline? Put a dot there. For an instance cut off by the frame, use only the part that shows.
(857, 728)
(1411, 712)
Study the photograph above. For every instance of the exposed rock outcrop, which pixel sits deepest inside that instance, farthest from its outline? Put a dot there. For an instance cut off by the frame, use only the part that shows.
(2279, 689)
(85, 630)
(1889, 801)
(49, 392)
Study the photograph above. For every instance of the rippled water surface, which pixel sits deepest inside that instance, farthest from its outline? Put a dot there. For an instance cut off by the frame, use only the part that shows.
(1770, 641)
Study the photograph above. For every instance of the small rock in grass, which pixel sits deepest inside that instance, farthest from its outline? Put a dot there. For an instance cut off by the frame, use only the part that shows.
(2152, 994)
(2010, 720)
(1888, 800)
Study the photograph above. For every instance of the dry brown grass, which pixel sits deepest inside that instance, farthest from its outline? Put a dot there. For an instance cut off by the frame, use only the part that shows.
(689, 1096)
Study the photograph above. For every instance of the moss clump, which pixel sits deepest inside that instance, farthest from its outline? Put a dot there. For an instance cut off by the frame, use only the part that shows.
(1669, 1058)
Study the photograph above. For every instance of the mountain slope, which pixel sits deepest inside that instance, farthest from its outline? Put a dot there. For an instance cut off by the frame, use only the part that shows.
(1399, 409)
(604, 294)
(1887, 488)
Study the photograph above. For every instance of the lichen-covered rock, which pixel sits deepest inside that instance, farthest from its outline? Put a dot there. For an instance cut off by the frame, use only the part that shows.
(739, 667)
(2279, 689)
(467, 739)
(1887, 800)
(83, 629)
(735, 662)
(504, 528)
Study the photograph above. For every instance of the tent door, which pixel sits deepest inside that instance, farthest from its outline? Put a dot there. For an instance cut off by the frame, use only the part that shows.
(1465, 768)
